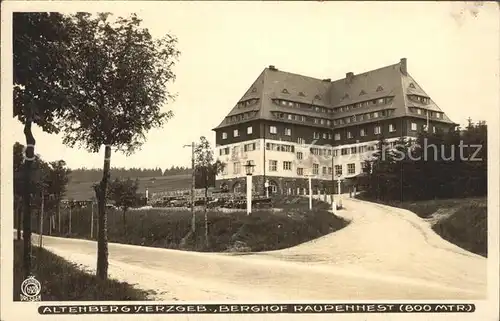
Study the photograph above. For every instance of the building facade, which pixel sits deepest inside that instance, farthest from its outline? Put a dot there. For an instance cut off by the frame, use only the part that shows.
(291, 127)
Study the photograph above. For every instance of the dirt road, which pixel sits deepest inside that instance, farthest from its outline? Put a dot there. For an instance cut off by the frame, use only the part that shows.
(385, 253)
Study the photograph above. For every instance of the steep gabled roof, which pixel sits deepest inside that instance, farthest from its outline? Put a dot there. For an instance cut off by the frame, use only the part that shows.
(315, 91)
(390, 81)
(253, 92)
(411, 87)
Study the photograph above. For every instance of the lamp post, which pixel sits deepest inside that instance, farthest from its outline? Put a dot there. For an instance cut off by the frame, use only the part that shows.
(249, 169)
(266, 185)
(310, 176)
(339, 180)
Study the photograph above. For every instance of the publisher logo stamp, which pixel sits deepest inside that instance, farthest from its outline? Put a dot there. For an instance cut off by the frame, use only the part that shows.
(30, 289)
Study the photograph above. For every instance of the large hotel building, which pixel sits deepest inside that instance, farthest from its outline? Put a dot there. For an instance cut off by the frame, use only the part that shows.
(291, 127)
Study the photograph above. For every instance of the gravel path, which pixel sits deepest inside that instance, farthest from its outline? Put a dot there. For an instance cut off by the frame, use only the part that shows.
(384, 253)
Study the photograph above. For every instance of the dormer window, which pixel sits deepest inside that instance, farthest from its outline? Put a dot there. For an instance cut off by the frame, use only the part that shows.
(317, 97)
(362, 92)
(412, 85)
(302, 94)
(284, 91)
(254, 89)
(379, 88)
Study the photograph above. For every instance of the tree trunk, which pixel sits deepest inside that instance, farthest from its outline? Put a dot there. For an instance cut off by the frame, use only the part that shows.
(102, 231)
(28, 164)
(205, 208)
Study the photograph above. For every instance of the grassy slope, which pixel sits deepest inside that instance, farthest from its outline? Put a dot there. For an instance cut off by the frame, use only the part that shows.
(63, 281)
(84, 191)
(261, 231)
(466, 225)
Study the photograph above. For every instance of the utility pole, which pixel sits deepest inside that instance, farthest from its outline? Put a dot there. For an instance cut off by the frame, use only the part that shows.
(193, 182)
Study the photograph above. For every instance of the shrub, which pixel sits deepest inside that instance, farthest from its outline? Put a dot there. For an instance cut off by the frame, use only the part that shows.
(263, 230)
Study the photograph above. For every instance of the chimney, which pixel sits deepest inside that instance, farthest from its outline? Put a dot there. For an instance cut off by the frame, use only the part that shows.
(348, 77)
(272, 67)
(403, 66)
(327, 80)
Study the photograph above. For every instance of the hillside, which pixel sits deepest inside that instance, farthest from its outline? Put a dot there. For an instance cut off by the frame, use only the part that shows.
(82, 190)
(461, 221)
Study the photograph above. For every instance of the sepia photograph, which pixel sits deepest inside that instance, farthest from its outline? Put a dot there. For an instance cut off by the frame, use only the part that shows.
(194, 158)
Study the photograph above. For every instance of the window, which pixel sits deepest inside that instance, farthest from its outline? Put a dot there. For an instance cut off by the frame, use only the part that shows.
(236, 168)
(236, 133)
(412, 85)
(316, 135)
(273, 166)
(379, 88)
(351, 168)
(285, 91)
(434, 129)
(325, 135)
(344, 151)
(362, 92)
(419, 111)
(249, 130)
(287, 166)
(324, 170)
(249, 147)
(337, 136)
(349, 134)
(362, 132)
(338, 170)
(224, 135)
(302, 94)
(377, 130)
(300, 171)
(288, 132)
(438, 115)
(330, 136)
(290, 117)
(353, 150)
(322, 121)
(375, 114)
(273, 130)
(315, 169)
(414, 126)
(299, 155)
(224, 169)
(392, 128)
(301, 141)
(330, 171)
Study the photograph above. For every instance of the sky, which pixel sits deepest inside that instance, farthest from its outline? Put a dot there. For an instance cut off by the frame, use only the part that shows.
(452, 51)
